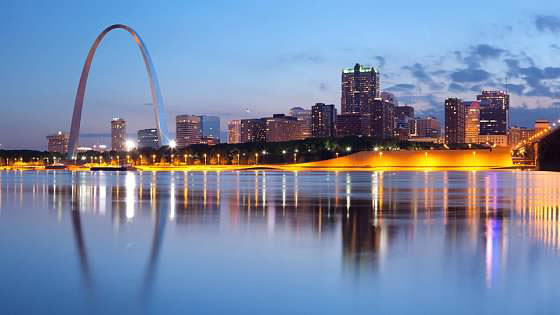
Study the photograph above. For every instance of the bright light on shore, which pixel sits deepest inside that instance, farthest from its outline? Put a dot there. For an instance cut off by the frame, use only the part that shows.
(130, 145)
(172, 144)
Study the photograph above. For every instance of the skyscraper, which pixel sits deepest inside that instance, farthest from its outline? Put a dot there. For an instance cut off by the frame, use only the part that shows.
(210, 127)
(253, 130)
(494, 112)
(148, 138)
(323, 120)
(188, 128)
(118, 134)
(472, 124)
(58, 142)
(427, 127)
(360, 86)
(349, 124)
(234, 131)
(304, 122)
(455, 116)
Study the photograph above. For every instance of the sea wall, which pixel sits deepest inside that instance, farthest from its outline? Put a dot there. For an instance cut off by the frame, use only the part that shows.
(495, 158)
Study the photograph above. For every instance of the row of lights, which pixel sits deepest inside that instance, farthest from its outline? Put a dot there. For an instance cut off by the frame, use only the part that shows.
(538, 135)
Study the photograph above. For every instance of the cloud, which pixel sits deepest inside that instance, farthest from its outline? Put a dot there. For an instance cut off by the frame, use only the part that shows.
(301, 58)
(403, 88)
(470, 75)
(457, 88)
(323, 86)
(480, 53)
(534, 77)
(380, 61)
(545, 23)
(419, 72)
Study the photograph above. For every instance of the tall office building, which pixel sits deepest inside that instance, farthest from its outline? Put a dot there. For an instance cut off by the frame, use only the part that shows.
(455, 116)
(210, 127)
(281, 128)
(58, 142)
(472, 123)
(323, 121)
(118, 134)
(494, 112)
(253, 130)
(189, 131)
(304, 122)
(234, 131)
(379, 121)
(148, 138)
(360, 86)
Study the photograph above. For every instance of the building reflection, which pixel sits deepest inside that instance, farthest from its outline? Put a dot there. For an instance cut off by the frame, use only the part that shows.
(369, 215)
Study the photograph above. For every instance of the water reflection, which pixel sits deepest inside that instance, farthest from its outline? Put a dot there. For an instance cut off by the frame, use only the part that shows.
(372, 218)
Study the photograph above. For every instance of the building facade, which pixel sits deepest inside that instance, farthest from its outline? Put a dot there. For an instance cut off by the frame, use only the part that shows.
(360, 86)
(349, 124)
(281, 128)
(188, 129)
(518, 134)
(253, 130)
(118, 134)
(472, 123)
(541, 125)
(304, 118)
(427, 127)
(234, 131)
(494, 112)
(404, 117)
(323, 121)
(455, 116)
(148, 138)
(58, 142)
(210, 126)
(379, 121)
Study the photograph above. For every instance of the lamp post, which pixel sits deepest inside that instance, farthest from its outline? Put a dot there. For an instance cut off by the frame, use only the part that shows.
(218, 158)
(204, 158)
(238, 159)
(185, 156)
(256, 158)
(153, 159)
(295, 155)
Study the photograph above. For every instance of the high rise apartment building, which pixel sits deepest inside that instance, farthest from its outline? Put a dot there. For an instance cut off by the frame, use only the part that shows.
(118, 134)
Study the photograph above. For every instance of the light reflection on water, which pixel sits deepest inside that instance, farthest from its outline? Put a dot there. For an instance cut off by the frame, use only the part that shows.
(279, 242)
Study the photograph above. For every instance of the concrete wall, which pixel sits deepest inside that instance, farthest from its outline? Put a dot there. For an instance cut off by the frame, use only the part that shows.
(497, 157)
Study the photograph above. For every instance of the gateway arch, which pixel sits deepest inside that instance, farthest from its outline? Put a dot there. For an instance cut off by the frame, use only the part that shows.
(157, 100)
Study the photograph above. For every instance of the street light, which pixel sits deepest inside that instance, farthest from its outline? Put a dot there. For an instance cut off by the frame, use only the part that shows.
(153, 159)
(256, 158)
(172, 144)
(204, 158)
(130, 145)
(185, 156)
(218, 158)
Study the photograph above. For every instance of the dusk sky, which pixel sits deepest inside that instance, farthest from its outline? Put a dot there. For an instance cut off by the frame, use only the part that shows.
(221, 57)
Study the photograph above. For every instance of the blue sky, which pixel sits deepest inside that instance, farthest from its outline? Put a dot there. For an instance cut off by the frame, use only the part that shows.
(220, 57)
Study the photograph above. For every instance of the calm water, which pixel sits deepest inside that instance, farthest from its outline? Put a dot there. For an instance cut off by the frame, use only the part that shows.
(279, 243)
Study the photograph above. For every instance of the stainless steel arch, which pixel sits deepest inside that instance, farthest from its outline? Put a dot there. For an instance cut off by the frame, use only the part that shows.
(157, 100)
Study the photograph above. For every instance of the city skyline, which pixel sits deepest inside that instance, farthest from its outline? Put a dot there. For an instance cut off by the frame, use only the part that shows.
(471, 58)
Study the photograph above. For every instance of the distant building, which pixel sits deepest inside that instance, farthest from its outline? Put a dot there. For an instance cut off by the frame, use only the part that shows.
(455, 116)
(494, 112)
(304, 122)
(209, 141)
(497, 140)
(360, 86)
(234, 131)
(58, 142)
(427, 127)
(189, 131)
(253, 130)
(541, 125)
(349, 124)
(518, 134)
(118, 134)
(210, 126)
(379, 121)
(389, 97)
(148, 138)
(323, 121)
(404, 118)
(281, 128)
(472, 124)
